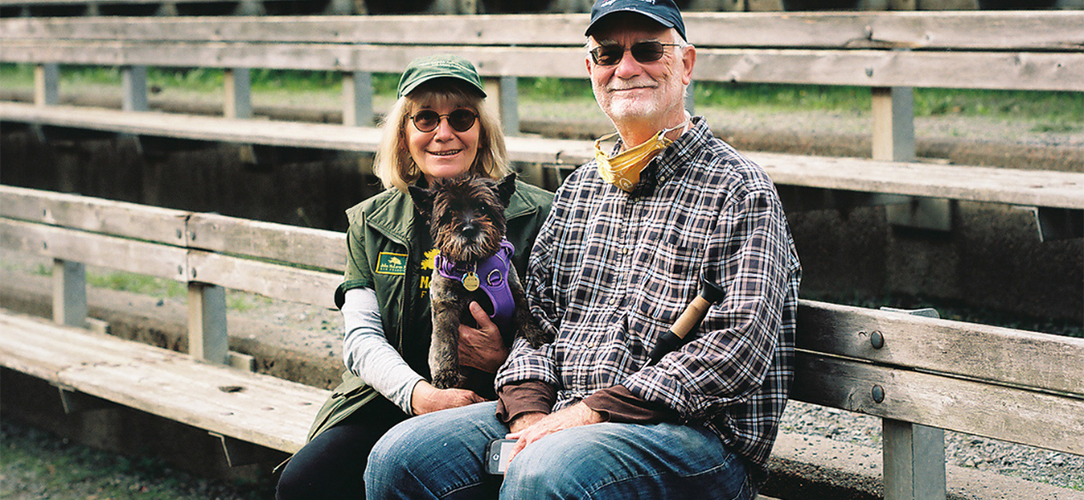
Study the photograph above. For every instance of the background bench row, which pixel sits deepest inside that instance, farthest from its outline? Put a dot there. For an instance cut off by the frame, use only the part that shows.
(890, 53)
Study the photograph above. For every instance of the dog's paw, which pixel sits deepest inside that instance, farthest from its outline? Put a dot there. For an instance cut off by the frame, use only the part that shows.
(448, 379)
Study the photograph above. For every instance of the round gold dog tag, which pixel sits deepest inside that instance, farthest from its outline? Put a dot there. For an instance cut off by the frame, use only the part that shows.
(470, 282)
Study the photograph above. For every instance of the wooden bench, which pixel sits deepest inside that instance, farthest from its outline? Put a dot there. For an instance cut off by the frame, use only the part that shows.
(918, 374)
(890, 53)
(207, 252)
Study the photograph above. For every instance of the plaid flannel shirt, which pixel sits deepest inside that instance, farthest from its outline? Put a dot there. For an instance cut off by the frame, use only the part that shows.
(609, 273)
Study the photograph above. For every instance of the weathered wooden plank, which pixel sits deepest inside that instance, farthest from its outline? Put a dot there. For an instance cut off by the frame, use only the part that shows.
(314, 248)
(878, 68)
(276, 133)
(94, 214)
(1022, 30)
(971, 350)
(1035, 419)
(23, 352)
(269, 280)
(912, 30)
(970, 183)
(871, 68)
(92, 249)
(251, 407)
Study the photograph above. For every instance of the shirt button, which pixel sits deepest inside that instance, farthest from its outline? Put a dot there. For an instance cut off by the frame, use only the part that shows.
(613, 301)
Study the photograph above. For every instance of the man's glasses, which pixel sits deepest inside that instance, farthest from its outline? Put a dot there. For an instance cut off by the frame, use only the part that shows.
(643, 52)
(427, 120)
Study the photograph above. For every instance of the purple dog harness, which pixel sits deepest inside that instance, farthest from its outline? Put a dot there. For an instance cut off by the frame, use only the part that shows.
(491, 275)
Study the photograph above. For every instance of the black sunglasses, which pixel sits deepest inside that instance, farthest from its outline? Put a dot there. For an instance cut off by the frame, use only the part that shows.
(643, 52)
(427, 120)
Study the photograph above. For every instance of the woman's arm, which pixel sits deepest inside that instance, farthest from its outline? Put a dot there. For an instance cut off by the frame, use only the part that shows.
(367, 353)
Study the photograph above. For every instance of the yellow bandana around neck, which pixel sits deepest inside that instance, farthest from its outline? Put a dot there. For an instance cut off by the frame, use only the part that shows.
(623, 170)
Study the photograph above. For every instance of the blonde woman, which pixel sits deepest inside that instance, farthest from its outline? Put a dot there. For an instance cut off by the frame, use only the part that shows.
(439, 127)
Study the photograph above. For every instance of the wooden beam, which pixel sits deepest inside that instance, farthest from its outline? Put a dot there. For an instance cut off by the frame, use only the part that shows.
(999, 412)
(94, 249)
(238, 87)
(69, 293)
(46, 84)
(502, 96)
(358, 99)
(311, 248)
(987, 30)
(914, 461)
(134, 88)
(1014, 70)
(251, 407)
(270, 280)
(128, 220)
(957, 348)
(207, 335)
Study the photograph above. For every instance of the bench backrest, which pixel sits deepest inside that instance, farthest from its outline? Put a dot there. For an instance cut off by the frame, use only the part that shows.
(1026, 51)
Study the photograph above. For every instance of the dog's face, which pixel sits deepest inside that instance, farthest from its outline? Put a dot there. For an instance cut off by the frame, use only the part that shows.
(466, 214)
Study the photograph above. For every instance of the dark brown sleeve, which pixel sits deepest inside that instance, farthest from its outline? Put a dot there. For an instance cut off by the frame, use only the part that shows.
(618, 404)
(530, 396)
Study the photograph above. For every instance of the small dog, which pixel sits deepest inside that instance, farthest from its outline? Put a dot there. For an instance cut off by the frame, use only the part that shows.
(466, 220)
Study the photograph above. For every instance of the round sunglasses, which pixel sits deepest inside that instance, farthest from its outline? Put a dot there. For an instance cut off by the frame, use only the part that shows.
(643, 52)
(428, 120)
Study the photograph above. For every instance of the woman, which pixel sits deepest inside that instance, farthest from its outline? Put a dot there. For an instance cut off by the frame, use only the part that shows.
(439, 127)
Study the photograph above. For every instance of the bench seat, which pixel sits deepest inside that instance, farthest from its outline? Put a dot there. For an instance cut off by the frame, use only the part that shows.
(245, 406)
(1036, 188)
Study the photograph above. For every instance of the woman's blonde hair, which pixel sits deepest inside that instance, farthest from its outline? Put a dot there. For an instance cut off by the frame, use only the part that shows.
(393, 163)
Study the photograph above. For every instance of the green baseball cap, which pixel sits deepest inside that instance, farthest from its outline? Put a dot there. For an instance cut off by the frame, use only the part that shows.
(423, 69)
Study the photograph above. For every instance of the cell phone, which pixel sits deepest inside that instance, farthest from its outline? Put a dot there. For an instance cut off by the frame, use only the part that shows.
(498, 454)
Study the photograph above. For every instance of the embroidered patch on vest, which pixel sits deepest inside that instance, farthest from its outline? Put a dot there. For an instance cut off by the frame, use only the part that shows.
(391, 263)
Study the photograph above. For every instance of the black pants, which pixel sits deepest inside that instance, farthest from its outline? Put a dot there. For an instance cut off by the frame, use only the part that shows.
(332, 465)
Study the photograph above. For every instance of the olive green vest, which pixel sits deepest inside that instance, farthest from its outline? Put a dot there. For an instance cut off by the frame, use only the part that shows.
(382, 254)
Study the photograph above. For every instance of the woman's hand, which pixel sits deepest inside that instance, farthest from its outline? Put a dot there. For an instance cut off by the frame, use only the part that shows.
(427, 399)
(482, 347)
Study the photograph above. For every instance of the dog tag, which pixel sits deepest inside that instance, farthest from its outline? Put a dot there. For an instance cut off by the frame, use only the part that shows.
(470, 281)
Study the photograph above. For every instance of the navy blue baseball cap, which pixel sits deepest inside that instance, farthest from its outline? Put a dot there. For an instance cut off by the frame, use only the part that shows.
(664, 12)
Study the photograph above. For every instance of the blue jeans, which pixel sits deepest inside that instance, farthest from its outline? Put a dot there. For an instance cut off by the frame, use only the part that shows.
(440, 455)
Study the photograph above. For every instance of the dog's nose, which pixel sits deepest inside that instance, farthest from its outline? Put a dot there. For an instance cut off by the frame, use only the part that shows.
(469, 229)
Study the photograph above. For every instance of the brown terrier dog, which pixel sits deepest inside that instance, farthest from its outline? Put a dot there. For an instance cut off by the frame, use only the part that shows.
(466, 220)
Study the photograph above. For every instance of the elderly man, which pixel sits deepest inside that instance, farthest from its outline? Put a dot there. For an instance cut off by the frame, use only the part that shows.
(626, 245)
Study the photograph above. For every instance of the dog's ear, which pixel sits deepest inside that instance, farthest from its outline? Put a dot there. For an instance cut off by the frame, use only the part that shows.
(506, 188)
(423, 199)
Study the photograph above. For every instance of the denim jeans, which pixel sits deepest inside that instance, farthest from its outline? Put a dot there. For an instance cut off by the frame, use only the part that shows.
(440, 455)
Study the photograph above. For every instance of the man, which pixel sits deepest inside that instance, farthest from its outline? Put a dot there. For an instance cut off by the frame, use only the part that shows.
(623, 251)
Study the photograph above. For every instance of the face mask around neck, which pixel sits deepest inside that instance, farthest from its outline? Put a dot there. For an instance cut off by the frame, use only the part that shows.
(623, 170)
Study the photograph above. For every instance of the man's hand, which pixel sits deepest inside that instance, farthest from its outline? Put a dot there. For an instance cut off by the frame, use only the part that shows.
(540, 426)
(482, 347)
(426, 398)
